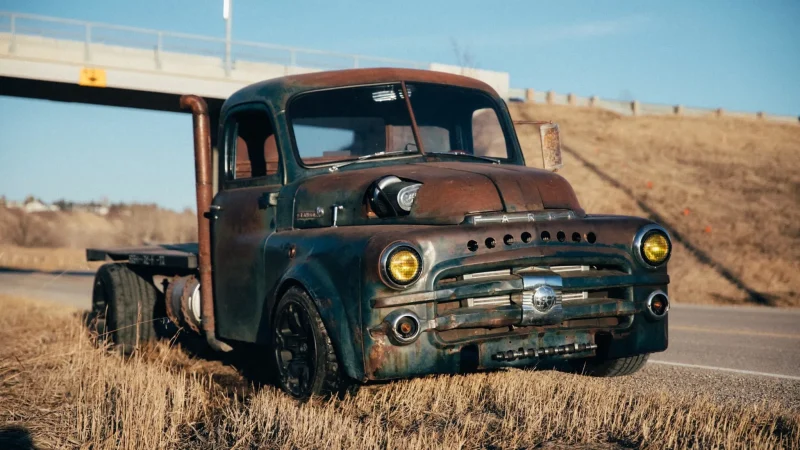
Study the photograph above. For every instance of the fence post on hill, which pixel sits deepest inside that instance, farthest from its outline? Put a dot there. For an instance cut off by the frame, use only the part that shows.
(719, 112)
(550, 97)
(593, 101)
(635, 107)
(159, 48)
(12, 46)
(529, 98)
(678, 110)
(760, 115)
(571, 99)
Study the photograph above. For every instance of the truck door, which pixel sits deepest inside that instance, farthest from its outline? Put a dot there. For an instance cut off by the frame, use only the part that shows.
(244, 217)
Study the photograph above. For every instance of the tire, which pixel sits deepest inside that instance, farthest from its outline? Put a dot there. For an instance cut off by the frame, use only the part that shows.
(126, 307)
(297, 331)
(610, 367)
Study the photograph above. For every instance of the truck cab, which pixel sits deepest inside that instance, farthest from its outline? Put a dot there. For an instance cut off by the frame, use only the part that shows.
(374, 224)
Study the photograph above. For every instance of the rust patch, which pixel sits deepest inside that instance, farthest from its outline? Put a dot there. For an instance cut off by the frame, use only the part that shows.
(377, 356)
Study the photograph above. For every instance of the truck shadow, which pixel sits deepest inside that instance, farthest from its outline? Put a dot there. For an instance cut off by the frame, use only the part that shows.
(16, 437)
(753, 295)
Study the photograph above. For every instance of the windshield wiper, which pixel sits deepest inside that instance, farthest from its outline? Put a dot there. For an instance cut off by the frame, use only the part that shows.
(336, 167)
(482, 158)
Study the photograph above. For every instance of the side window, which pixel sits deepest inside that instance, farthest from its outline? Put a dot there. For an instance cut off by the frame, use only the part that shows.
(252, 149)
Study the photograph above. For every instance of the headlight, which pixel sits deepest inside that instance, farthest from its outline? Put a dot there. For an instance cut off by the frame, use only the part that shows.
(401, 265)
(652, 245)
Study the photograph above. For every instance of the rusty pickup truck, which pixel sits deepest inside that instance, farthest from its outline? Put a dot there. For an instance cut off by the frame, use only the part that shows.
(373, 224)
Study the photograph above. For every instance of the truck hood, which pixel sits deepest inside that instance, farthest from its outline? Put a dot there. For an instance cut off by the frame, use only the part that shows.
(450, 191)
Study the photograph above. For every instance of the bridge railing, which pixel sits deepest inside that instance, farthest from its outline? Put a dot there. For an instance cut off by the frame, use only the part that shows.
(636, 108)
(160, 42)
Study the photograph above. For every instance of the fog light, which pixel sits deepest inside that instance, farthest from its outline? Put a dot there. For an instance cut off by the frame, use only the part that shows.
(657, 304)
(405, 328)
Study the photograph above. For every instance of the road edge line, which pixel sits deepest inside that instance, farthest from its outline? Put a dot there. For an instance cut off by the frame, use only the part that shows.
(725, 369)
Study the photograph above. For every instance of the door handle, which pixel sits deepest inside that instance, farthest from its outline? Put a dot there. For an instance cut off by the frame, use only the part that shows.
(213, 212)
(267, 199)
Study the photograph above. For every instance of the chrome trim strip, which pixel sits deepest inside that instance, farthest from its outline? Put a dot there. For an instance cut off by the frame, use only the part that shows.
(538, 216)
(562, 269)
(493, 273)
(637, 244)
(489, 301)
(573, 296)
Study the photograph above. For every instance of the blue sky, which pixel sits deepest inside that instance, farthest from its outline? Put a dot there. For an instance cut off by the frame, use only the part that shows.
(739, 55)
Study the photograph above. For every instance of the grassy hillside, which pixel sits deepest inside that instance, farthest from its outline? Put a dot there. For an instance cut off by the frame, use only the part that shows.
(727, 189)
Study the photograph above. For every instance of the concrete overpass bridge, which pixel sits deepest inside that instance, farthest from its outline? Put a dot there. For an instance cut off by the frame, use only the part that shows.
(73, 61)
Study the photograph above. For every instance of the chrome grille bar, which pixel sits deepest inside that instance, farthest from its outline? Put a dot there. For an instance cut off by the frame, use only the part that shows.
(497, 300)
(573, 296)
(493, 273)
(562, 269)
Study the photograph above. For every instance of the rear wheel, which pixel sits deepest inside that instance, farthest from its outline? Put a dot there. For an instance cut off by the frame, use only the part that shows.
(303, 353)
(610, 367)
(126, 307)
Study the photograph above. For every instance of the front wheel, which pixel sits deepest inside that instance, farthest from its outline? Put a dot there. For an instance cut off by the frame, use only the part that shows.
(304, 356)
(610, 367)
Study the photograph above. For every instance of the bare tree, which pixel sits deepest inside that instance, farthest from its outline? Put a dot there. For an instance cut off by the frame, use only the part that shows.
(464, 56)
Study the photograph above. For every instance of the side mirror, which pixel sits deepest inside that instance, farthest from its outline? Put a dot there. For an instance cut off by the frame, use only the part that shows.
(547, 140)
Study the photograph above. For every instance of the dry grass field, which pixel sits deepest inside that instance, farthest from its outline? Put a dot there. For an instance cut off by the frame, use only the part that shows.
(727, 189)
(61, 391)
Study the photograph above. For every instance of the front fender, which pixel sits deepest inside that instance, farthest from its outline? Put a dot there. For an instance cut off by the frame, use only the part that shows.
(342, 318)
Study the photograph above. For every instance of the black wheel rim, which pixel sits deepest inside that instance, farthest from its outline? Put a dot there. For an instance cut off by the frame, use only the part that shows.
(294, 349)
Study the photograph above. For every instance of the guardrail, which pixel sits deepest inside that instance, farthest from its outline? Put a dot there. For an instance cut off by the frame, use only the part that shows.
(160, 42)
(636, 108)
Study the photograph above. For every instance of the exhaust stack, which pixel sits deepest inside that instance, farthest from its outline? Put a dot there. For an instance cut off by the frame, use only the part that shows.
(203, 188)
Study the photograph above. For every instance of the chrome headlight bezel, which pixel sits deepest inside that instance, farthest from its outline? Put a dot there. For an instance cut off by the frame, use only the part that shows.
(384, 261)
(638, 240)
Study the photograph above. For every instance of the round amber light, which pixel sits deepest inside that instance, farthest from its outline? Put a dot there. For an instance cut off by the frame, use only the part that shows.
(655, 248)
(403, 266)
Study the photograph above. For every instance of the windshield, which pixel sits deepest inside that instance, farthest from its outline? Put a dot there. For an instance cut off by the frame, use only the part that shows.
(458, 120)
(351, 123)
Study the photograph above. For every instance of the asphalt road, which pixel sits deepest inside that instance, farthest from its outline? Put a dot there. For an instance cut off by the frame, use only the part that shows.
(748, 354)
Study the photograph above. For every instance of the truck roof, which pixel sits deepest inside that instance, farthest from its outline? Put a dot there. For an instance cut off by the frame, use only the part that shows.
(277, 91)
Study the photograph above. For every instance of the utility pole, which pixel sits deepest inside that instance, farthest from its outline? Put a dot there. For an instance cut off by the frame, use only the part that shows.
(227, 7)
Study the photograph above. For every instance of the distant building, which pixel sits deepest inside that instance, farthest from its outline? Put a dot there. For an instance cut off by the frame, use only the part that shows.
(34, 205)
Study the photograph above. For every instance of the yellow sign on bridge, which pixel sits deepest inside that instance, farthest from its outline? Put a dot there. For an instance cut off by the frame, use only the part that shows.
(92, 77)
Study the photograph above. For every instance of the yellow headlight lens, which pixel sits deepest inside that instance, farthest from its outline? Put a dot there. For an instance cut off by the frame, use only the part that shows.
(655, 248)
(403, 266)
